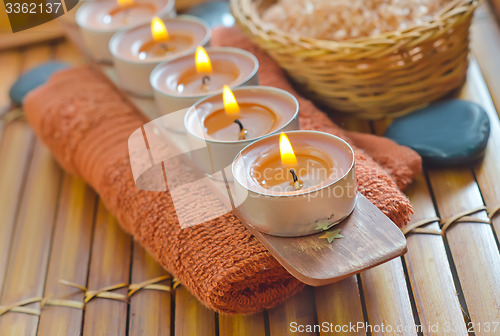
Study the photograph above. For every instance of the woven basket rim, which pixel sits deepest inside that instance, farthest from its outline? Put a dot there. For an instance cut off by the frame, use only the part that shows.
(254, 21)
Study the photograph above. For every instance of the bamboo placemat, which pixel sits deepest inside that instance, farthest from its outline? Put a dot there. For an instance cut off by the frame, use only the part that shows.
(54, 228)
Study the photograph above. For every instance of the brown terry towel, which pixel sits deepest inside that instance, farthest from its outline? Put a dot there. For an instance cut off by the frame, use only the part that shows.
(86, 123)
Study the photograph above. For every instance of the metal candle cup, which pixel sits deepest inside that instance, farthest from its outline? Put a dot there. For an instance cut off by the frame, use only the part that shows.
(171, 81)
(325, 201)
(97, 24)
(134, 67)
(220, 152)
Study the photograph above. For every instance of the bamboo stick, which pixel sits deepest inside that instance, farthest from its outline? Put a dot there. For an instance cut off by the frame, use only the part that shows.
(242, 325)
(487, 174)
(11, 67)
(298, 309)
(387, 301)
(30, 248)
(191, 318)
(485, 37)
(15, 153)
(69, 257)
(109, 265)
(149, 309)
(487, 171)
(339, 304)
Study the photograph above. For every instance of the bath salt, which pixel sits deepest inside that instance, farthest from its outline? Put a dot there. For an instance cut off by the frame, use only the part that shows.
(341, 20)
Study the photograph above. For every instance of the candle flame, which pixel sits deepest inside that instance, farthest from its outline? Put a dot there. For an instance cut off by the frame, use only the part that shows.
(203, 64)
(287, 155)
(230, 104)
(158, 29)
(125, 3)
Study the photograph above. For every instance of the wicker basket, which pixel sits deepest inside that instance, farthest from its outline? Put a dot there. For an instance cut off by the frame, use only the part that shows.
(375, 77)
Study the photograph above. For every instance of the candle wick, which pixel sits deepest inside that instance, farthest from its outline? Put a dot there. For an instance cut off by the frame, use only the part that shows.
(237, 121)
(243, 131)
(296, 182)
(164, 46)
(205, 80)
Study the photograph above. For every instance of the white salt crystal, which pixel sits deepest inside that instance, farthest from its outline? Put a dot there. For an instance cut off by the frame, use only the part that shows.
(340, 20)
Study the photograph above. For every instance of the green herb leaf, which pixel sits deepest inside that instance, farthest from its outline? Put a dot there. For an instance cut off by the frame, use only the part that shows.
(330, 236)
(323, 224)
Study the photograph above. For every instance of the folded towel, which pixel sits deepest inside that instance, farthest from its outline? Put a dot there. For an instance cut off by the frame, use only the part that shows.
(86, 124)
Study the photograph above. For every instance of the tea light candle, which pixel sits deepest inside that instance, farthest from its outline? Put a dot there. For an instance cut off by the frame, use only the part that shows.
(99, 20)
(227, 123)
(204, 79)
(181, 82)
(295, 185)
(138, 50)
(224, 124)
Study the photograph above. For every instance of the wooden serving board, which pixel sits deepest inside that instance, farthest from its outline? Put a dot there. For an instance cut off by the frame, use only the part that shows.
(370, 237)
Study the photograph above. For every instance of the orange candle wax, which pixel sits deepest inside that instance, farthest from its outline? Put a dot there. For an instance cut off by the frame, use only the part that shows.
(193, 82)
(310, 167)
(239, 121)
(175, 43)
(205, 77)
(258, 120)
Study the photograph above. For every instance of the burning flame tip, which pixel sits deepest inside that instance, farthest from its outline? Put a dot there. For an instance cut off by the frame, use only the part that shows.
(230, 104)
(158, 29)
(288, 157)
(203, 64)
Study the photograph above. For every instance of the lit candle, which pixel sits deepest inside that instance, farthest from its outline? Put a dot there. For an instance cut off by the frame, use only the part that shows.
(295, 185)
(138, 50)
(164, 43)
(203, 68)
(225, 123)
(291, 170)
(181, 82)
(99, 20)
(204, 79)
(242, 121)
